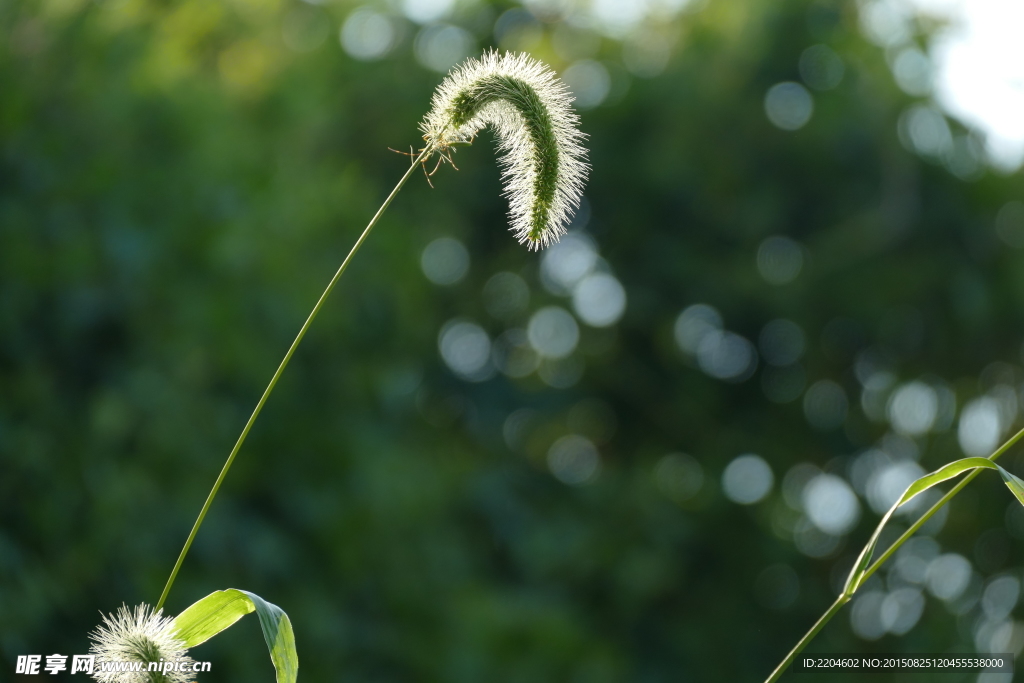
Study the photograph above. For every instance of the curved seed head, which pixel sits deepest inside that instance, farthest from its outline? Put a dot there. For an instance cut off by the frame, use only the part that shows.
(543, 163)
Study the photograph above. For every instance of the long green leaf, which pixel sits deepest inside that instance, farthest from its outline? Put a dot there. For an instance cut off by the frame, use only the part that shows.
(217, 611)
(206, 618)
(277, 629)
(921, 485)
(945, 472)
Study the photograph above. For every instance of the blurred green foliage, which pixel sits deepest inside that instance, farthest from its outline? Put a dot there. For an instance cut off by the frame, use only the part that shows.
(179, 180)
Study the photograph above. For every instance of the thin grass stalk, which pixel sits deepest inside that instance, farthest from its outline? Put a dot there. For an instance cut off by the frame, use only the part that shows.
(845, 597)
(424, 153)
(818, 625)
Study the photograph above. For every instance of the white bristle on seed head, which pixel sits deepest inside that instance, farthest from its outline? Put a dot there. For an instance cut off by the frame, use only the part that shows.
(543, 161)
(139, 635)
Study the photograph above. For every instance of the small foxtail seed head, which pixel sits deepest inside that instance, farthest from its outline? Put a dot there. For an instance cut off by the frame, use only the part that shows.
(139, 635)
(543, 163)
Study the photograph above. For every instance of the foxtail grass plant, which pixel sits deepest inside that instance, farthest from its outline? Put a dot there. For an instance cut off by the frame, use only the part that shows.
(531, 112)
(863, 568)
(140, 636)
(544, 170)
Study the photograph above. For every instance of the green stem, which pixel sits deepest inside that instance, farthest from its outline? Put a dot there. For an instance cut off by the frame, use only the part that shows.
(280, 369)
(845, 597)
(818, 625)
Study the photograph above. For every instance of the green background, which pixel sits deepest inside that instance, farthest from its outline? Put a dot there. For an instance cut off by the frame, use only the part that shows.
(177, 185)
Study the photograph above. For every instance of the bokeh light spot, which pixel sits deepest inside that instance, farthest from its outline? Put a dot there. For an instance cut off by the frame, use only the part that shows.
(599, 300)
(426, 11)
(747, 479)
(866, 615)
(901, 609)
(924, 130)
(726, 356)
(812, 541)
(693, 324)
(567, 262)
(831, 504)
(445, 261)
(466, 350)
(913, 408)
(886, 23)
(913, 72)
(367, 35)
(589, 82)
(888, 482)
(553, 332)
(1000, 597)
(821, 68)
(442, 46)
(574, 460)
(517, 29)
(795, 481)
(779, 260)
(948, 575)
(980, 427)
(788, 105)
(913, 559)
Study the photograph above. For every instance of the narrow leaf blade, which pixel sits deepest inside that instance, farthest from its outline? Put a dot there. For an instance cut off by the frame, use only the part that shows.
(277, 629)
(940, 475)
(945, 472)
(1014, 483)
(217, 611)
(209, 616)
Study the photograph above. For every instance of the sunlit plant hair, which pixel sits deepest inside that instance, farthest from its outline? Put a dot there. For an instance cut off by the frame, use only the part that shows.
(544, 170)
(139, 635)
(531, 112)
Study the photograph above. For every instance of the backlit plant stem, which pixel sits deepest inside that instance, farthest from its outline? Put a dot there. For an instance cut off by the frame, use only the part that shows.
(845, 597)
(820, 624)
(424, 153)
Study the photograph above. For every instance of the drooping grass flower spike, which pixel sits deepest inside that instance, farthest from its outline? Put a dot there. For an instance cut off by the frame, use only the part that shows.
(530, 110)
(544, 170)
(144, 636)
